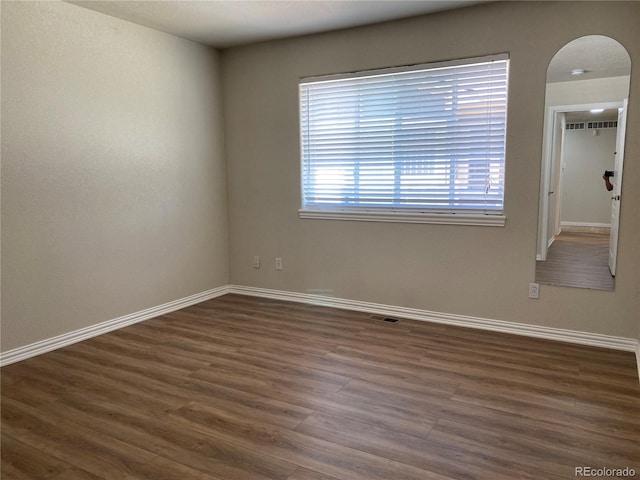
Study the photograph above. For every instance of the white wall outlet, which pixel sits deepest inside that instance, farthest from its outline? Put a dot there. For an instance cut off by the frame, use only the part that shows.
(534, 290)
(278, 263)
(256, 261)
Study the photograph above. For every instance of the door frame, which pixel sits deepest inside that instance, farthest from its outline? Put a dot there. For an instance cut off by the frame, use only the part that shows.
(551, 120)
(617, 186)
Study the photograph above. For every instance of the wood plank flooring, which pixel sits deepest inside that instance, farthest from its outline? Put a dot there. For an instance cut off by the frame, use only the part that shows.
(241, 388)
(577, 259)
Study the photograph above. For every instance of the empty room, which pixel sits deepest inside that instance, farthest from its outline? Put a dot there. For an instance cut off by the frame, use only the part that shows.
(317, 240)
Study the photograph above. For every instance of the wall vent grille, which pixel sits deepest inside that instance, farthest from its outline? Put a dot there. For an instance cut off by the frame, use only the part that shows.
(592, 125)
(610, 124)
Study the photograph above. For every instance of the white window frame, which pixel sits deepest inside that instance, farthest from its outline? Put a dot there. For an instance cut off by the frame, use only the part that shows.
(447, 215)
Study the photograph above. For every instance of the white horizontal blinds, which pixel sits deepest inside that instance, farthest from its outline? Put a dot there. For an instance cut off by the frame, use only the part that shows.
(431, 138)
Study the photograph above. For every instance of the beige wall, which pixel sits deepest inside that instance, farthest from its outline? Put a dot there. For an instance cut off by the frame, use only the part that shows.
(585, 199)
(113, 174)
(477, 271)
(580, 92)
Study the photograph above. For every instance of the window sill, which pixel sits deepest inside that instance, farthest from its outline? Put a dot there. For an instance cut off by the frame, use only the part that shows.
(474, 219)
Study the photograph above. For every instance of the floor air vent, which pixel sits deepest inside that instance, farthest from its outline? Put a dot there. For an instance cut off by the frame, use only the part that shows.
(384, 319)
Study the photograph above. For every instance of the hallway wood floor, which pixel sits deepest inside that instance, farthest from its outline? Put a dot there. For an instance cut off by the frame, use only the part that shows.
(241, 388)
(577, 260)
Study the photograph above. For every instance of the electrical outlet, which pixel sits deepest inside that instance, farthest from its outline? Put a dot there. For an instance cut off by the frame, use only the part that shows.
(534, 290)
(256, 261)
(278, 263)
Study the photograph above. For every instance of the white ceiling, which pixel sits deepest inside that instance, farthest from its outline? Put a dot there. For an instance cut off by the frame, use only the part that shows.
(598, 55)
(587, 116)
(227, 23)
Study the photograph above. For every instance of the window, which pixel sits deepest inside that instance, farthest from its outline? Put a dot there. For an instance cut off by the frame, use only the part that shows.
(418, 144)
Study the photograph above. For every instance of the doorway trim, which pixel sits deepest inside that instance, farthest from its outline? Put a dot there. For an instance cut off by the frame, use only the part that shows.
(551, 119)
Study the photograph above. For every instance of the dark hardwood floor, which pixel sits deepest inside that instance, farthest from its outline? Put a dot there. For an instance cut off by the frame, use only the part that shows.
(241, 388)
(577, 259)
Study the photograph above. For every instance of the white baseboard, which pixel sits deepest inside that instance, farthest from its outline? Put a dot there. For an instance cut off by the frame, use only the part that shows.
(582, 227)
(325, 299)
(28, 351)
(585, 224)
(549, 333)
(638, 357)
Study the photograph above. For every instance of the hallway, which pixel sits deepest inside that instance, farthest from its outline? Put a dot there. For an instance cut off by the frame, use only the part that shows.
(577, 260)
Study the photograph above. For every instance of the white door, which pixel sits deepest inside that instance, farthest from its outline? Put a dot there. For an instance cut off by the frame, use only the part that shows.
(548, 218)
(617, 185)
